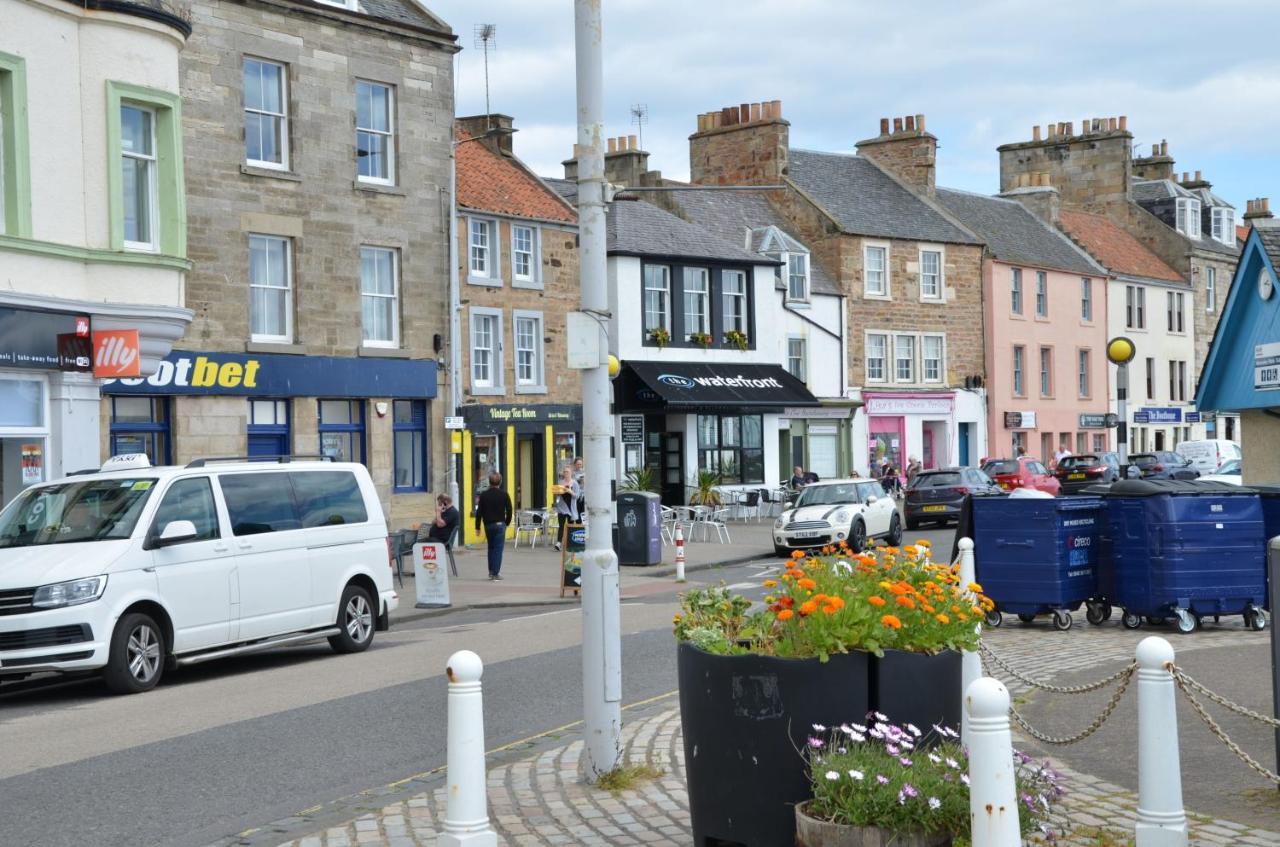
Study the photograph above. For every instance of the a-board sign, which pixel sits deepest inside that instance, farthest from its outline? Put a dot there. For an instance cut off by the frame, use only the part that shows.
(573, 542)
(431, 575)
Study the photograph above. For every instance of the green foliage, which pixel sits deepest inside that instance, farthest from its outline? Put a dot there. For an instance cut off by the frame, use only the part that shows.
(705, 489)
(641, 479)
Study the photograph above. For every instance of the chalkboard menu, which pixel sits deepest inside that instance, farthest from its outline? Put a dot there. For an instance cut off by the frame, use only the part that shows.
(573, 543)
(633, 429)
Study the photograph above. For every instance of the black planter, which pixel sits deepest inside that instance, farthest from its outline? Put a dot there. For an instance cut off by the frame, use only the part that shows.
(917, 688)
(746, 722)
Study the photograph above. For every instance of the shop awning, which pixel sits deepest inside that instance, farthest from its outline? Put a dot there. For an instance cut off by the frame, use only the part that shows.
(690, 387)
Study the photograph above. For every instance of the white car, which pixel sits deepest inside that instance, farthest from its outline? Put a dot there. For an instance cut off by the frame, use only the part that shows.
(1229, 473)
(829, 512)
(136, 568)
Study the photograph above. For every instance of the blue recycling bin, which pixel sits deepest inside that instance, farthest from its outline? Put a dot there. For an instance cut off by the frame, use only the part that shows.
(1184, 550)
(1036, 556)
(1270, 495)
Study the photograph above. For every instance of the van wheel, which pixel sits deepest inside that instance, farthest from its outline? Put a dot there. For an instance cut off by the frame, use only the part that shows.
(356, 620)
(137, 655)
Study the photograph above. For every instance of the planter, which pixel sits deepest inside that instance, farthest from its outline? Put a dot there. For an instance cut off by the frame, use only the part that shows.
(811, 832)
(746, 721)
(917, 688)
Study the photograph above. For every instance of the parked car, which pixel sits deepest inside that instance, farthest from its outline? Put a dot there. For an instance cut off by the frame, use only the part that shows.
(849, 510)
(1023, 472)
(1207, 455)
(1163, 464)
(1230, 472)
(1077, 472)
(135, 568)
(937, 495)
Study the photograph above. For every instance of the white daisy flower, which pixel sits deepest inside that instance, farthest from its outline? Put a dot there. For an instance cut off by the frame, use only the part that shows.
(832, 775)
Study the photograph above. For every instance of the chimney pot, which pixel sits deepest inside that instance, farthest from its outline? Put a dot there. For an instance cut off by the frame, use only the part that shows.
(1155, 150)
(1248, 206)
(1035, 133)
(1186, 176)
(1164, 147)
(1266, 204)
(897, 125)
(755, 112)
(777, 108)
(920, 123)
(1198, 177)
(1124, 122)
(1071, 129)
(1051, 130)
(1113, 124)
(884, 126)
(910, 123)
(632, 143)
(744, 110)
(613, 145)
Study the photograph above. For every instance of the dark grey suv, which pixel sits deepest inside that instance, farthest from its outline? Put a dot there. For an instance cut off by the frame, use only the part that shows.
(937, 495)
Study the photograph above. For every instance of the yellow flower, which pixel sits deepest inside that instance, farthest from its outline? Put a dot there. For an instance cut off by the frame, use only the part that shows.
(943, 619)
(770, 583)
(975, 588)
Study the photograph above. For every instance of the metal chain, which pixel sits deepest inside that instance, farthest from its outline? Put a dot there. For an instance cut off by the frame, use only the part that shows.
(1127, 675)
(1182, 677)
(1056, 689)
(1222, 734)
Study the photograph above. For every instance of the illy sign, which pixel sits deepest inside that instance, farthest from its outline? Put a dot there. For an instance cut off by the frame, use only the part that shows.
(116, 353)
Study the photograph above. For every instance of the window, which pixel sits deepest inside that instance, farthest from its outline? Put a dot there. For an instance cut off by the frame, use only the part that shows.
(379, 296)
(875, 262)
(931, 283)
(733, 287)
(1084, 373)
(1086, 298)
(1151, 379)
(326, 498)
(409, 430)
(1224, 225)
(1046, 371)
(697, 317)
(657, 299)
(1210, 288)
(481, 239)
(375, 141)
(798, 277)
(1173, 380)
(15, 175)
(188, 500)
(1019, 363)
(1015, 291)
(270, 289)
(525, 261)
(258, 503)
(1182, 381)
(732, 446)
(141, 425)
(1175, 303)
(1189, 217)
(342, 430)
(1099, 443)
(138, 176)
(877, 353)
(527, 329)
(1042, 295)
(268, 428)
(796, 359)
(266, 114)
(904, 358)
(931, 354)
(486, 351)
(1135, 307)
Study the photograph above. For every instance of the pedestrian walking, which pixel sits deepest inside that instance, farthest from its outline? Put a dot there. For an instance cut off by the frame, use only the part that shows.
(493, 512)
(567, 494)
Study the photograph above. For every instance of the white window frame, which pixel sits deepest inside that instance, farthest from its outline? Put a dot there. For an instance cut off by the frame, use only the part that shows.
(802, 359)
(885, 359)
(1223, 225)
(389, 134)
(940, 294)
(665, 276)
(537, 384)
(704, 295)
(1042, 294)
(1179, 313)
(492, 273)
(1182, 381)
(495, 384)
(282, 116)
(1210, 288)
(792, 276)
(153, 176)
(1084, 367)
(1135, 307)
(287, 338)
(394, 297)
(743, 301)
(886, 292)
(533, 279)
(915, 352)
(1188, 217)
(942, 358)
(1019, 357)
(1017, 294)
(1046, 372)
(1086, 299)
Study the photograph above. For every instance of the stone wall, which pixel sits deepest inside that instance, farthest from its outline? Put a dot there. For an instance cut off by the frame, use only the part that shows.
(1090, 170)
(1260, 441)
(908, 151)
(740, 145)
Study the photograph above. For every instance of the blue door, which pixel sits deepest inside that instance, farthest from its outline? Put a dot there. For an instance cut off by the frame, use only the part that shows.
(964, 443)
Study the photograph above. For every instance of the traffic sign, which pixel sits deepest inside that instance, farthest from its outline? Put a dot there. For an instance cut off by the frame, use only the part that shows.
(454, 422)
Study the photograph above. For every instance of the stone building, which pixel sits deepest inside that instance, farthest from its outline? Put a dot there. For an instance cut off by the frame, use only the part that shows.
(317, 140)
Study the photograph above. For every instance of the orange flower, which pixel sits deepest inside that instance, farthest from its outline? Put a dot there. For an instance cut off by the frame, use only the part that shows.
(797, 554)
(906, 601)
(891, 621)
(975, 588)
(787, 602)
(977, 610)
(786, 615)
(923, 542)
(892, 550)
(927, 608)
(876, 600)
(942, 618)
(962, 616)
(770, 583)
(901, 588)
(819, 597)
(806, 583)
(829, 610)
(808, 607)
(838, 602)
(795, 572)
(911, 550)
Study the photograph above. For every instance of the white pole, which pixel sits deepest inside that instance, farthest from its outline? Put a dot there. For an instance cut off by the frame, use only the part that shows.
(993, 795)
(1162, 822)
(971, 667)
(601, 638)
(466, 821)
(679, 539)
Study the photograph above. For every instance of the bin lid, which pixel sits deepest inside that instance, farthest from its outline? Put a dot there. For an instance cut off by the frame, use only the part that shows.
(1174, 487)
(1267, 489)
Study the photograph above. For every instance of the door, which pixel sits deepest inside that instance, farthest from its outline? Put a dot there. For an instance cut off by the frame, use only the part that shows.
(824, 457)
(886, 440)
(335, 523)
(197, 578)
(524, 473)
(1159, 445)
(963, 458)
(485, 460)
(673, 484)
(878, 514)
(927, 438)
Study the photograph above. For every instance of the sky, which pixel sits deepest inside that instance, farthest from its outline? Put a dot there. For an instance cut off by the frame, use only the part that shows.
(1205, 76)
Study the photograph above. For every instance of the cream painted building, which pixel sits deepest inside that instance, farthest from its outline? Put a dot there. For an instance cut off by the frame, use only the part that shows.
(92, 215)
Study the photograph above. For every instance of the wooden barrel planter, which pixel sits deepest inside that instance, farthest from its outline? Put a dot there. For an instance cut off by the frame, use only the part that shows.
(812, 832)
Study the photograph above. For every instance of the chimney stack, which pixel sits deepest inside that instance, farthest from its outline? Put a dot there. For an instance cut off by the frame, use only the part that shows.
(745, 144)
(493, 131)
(1259, 208)
(909, 151)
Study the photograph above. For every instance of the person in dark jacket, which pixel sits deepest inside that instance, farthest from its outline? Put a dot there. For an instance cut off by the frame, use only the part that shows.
(493, 512)
(445, 522)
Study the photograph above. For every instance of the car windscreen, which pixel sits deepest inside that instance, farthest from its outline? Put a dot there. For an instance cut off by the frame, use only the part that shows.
(937, 480)
(1086, 460)
(827, 495)
(993, 468)
(65, 513)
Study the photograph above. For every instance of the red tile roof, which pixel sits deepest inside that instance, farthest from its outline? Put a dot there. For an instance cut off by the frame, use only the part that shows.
(1115, 248)
(1242, 232)
(489, 182)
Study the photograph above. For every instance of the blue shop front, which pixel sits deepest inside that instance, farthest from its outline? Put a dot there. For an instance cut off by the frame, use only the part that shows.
(369, 410)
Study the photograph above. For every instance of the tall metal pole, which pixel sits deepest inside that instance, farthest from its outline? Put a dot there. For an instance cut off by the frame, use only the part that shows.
(601, 640)
(455, 309)
(1122, 427)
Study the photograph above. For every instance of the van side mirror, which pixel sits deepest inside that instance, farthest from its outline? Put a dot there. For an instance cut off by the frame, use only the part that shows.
(176, 532)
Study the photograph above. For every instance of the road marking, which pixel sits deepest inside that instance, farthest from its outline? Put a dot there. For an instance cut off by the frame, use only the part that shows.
(739, 586)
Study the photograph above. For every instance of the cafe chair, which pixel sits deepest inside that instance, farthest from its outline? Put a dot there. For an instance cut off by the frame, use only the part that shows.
(530, 524)
(402, 545)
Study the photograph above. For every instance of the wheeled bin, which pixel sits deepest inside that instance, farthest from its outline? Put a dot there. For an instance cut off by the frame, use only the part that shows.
(1270, 495)
(1184, 550)
(1037, 556)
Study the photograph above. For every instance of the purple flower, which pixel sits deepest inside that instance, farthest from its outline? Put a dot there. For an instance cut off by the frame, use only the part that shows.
(882, 779)
(891, 749)
(906, 763)
(910, 790)
(816, 743)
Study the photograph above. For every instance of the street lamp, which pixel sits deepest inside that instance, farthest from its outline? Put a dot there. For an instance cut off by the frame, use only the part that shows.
(1120, 351)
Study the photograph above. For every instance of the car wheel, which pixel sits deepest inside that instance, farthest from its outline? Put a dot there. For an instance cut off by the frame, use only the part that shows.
(857, 536)
(356, 620)
(895, 532)
(913, 524)
(136, 660)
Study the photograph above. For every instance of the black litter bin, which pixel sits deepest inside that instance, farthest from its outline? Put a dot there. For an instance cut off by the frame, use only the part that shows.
(639, 528)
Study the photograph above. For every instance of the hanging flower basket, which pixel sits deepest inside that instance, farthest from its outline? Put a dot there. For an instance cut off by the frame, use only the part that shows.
(702, 339)
(736, 338)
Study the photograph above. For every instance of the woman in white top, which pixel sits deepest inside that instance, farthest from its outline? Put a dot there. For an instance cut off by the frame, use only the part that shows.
(567, 495)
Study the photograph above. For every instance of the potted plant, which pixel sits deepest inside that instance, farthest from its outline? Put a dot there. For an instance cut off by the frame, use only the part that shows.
(702, 339)
(660, 337)
(641, 479)
(706, 491)
(752, 683)
(873, 785)
(736, 338)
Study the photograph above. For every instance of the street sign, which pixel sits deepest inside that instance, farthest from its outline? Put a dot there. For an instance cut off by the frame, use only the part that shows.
(1093, 421)
(1141, 417)
(1111, 420)
(1191, 417)
(454, 422)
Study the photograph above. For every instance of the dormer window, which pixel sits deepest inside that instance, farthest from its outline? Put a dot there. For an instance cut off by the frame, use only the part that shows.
(350, 5)
(1224, 225)
(798, 277)
(1189, 217)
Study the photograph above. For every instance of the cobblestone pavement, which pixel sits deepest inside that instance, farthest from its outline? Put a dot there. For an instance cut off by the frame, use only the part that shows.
(542, 800)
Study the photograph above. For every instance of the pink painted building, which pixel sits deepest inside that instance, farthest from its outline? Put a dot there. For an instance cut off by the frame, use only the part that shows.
(1045, 324)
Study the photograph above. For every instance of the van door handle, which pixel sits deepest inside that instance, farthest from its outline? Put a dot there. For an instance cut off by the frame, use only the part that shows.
(244, 545)
(221, 548)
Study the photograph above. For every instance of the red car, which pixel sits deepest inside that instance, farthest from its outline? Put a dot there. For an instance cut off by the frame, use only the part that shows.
(1024, 472)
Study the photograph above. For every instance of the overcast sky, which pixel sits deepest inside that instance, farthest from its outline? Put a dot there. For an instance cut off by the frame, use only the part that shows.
(1203, 75)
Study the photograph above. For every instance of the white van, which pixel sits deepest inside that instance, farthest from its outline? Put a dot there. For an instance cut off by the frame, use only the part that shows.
(1208, 455)
(136, 568)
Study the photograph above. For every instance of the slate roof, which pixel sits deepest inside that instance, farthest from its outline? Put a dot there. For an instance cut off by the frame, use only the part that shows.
(566, 188)
(1270, 238)
(1114, 248)
(1015, 235)
(1152, 190)
(489, 182)
(637, 228)
(867, 201)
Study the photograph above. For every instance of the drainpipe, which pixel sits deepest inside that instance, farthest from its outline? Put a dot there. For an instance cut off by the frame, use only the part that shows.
(455, 309)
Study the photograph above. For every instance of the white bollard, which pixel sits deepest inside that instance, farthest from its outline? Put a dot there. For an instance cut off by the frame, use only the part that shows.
(466, 820)
(679, 539)
(971, 662)
(993, 794)
(1162, 822)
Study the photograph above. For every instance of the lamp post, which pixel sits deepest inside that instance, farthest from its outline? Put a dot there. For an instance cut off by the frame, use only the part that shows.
(1120, 352)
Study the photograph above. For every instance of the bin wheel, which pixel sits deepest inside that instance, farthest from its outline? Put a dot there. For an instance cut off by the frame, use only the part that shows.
(1097, 613)
(1255, 619)
(1061, 620)
(1131, 620)
(1186, 622)
(1156, 620)
(1025, 618)
(994, 618)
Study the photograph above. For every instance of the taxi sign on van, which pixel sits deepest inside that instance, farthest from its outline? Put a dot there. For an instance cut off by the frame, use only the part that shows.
(126, 461)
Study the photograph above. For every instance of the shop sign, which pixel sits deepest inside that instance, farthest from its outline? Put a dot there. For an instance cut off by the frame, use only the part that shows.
(506, 413)
(32, 464)
(30, 338)
(1191, 417)
(1141, 417)
(833, 413)
(907, 405)
(1019, 420)
(633, 429)
(116, 353)
(272, 375)
(1093, 421)
(823, 429)
(1157, 415)
(1266, 367)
